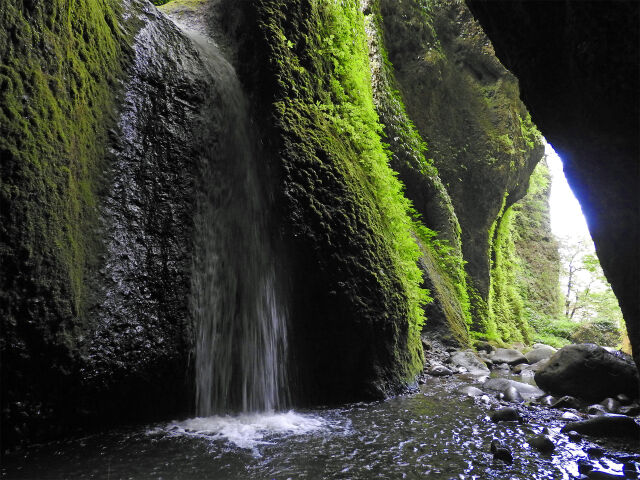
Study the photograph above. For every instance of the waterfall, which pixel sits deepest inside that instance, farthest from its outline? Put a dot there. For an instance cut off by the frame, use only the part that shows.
(241, 334)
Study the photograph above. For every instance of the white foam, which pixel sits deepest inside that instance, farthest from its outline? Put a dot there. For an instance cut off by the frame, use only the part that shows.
(246, 430)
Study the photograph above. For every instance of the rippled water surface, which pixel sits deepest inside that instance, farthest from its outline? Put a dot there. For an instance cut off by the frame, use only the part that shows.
(434, 433)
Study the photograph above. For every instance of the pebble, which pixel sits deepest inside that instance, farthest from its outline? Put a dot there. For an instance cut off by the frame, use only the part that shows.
(512, 395)
(500, 451)
(574, 436)
(542, 443)
(566, 402)
(623, 398)
(440, 371)
(596, 410)
(570, 416)
(505, 415)
(610, 404)
(630, 410)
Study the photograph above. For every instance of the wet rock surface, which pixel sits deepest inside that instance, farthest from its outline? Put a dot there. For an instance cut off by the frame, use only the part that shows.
(590, 372)
(509, 356)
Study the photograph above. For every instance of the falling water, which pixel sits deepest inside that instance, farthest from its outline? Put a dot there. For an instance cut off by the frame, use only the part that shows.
(241, 323)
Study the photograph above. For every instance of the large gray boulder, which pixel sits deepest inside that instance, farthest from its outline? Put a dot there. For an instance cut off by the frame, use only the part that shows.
(501, 384)
(590, 372)
(471, 362)
(541, 353)
(508, 356)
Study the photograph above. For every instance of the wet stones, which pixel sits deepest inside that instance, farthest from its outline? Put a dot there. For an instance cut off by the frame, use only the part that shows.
(543, 352)
(512, 395)
(509, 356)
(501, 384)
(567, 402)
(506, 415)
(501, 452)
(440, 371)
(470, 361)
(590, 372)
(470, 391)
(542, 443)
(607, 425)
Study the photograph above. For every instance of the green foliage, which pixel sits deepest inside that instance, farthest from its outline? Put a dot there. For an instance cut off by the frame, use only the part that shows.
(61, 61)
(160, 2)
(352, 112)
(600, 331)
(551, 331)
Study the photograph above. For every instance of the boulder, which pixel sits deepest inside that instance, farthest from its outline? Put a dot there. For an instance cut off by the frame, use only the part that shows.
(506, 415)
(508, 356)
(590, 372)
(501, 384)
(511, 394)
(538, 354)
(542, 443)
(471, 362)
(440, 371)
(482, 346)
(470, 391)
(606, 426)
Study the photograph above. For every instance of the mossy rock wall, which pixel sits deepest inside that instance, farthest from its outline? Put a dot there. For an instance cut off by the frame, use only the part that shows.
(356, 301)
(97, 116)
(466, 107)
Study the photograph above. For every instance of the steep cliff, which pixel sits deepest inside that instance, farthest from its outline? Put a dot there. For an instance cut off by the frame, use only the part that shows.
(390, 162)
(98, 121)
(578, 66)
(466, 107)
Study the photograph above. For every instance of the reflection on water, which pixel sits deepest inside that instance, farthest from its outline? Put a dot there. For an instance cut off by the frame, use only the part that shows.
(435, 433)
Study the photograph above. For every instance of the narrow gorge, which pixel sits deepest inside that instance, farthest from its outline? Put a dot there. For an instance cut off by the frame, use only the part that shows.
(289, 239)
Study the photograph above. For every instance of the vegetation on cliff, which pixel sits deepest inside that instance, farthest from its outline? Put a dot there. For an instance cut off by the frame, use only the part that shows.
(58, 84)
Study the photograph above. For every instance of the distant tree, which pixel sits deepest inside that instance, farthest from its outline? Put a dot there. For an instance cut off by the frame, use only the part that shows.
(589, 298)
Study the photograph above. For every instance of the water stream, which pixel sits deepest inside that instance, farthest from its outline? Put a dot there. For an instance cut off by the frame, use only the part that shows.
(241, 344)
(434, 433)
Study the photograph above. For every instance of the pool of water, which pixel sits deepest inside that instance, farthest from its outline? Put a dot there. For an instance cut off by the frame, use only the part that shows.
(433, 433)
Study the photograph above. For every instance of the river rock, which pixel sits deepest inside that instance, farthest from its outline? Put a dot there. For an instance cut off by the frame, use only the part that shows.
(470, 391)
(505, 415)
(471, 362)
(512, 395)
(508, 356)
(501, 384)
(590, 372)
(596, 409)
(501, 452)
(566, 402)
(542, 443)
(610, 405)
(623, 399)
(440, 371)
(482, 346)
(608, 425)
(630, 410)
(572, 417)
(542, 353)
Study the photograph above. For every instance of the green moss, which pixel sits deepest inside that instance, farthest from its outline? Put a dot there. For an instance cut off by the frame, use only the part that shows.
(61, 61)
(344, 200)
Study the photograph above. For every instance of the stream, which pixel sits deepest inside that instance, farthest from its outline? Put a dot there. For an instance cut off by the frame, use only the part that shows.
(433, 433)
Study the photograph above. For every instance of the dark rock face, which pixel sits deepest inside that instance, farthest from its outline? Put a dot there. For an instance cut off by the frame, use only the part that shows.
(588, 371)
(578, 68)
(465, 105)
(117, 348)
(606, 426)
